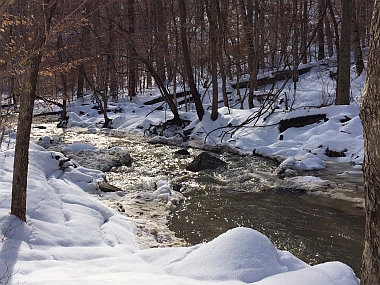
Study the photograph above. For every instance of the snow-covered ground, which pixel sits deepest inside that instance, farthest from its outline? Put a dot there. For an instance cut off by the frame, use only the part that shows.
(72, 238)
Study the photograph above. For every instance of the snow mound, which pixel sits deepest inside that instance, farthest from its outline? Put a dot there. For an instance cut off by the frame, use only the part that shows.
(241, 253)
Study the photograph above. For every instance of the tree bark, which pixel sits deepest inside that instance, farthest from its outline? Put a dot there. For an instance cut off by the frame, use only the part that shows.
(329, 37)
(210, 10)
(222, 19)
(248, 29)
(296, 34)
(335, 26)
(370, 116)
(161, 39)
(63, 77)
(356, 48)
(237, 58)
(188, 67)
(80, 81)
(111, 71)
(343, 82)
(320, 36)
(83, 49)
(21, 160)
(132, 63)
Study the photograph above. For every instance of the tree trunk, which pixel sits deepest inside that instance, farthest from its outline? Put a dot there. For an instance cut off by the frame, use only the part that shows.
(101, 98)
(248, 29)
(112, 80)
(162, 45)
(320, 36)
(21, 160)
(63, 77)
(210, 10)
(261, 33)
(304, 32)
(176, 57)
(83, 48)
(237, 58)
(370, 116)
(275, 37)
(132, 63)
(221, 15)
(186, 56)
(161, 86)
(283, 38)
(296, 34)
(335, 25)
(356, 48)
(343, 82)
(329, 37)
(80, 82)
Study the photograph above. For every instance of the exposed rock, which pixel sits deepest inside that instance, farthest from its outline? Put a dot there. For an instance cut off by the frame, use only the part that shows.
(101, 159)
(205, 161)
(105, 187)
(333, 153)
(345, 119)
(301, 184)
(284, 170)
(40, 127)
(182, 152)
(47, 141)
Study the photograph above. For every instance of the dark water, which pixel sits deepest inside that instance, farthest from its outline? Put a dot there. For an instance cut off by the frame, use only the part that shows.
(309, 227)
(313, 226)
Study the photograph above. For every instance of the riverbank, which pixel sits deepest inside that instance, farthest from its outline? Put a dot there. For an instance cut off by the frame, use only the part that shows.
(322, 194)
(71, 237)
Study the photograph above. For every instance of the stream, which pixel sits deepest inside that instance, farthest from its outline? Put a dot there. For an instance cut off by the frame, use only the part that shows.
(317, 225)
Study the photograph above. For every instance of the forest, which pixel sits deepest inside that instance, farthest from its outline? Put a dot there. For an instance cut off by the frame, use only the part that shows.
(55, 52)
(121, 48)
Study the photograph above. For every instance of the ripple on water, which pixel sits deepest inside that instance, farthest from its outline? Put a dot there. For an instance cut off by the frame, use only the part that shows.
(316, 225)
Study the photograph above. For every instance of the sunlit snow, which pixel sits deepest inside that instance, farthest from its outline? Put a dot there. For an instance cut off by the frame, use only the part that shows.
(73, 238)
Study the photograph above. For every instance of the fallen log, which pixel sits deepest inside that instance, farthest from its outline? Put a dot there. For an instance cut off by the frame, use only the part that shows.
(161, 99)
(298, 122)
(276, 76)
(47, 113)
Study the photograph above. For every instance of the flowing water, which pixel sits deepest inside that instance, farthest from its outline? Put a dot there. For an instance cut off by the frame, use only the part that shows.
(317, 226)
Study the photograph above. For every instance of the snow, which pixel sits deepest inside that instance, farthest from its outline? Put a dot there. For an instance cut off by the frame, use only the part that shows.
(72, 237)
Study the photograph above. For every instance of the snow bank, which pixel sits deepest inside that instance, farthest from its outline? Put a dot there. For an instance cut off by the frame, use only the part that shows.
(71, 238)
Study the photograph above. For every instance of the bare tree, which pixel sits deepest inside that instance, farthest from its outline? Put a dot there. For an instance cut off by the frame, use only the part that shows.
(329, 36)
(320, 35)
(63, 77)
(356, 47)
(370, 116)
(132, 63)
(21, 160)
(222, 17)
(248, 30)
(343, 82)
(186, 56)
(212, 19)
(335, 26)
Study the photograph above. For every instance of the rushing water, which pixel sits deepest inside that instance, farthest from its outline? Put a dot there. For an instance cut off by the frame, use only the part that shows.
(313, 226)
